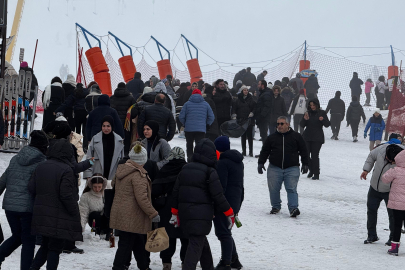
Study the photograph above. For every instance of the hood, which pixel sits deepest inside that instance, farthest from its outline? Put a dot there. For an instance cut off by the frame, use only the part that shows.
(379, 117)
(355, 104)
(233, 155)
(155, 81)
(337, 95)
(160, 87)
(104, 100)
(312, 78)
(90, 185)
(400, 159)
(121, 92)
(196, 98)
(314, 100)
(205, 153)
(129, 168)
(95, 89)
(70, 80)
(60, 149)
(149, 97)
(29, 155)
(355, 75)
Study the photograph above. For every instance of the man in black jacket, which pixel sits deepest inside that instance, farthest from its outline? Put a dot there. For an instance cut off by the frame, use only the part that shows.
(337, 109)
(277, 108)
(196, 194)
(159, 113)
(249, 78)
(230, 170)
(285, 147)
(263, 109)
(136, 85)
(355, 86)
(223, 102)
(261, 76)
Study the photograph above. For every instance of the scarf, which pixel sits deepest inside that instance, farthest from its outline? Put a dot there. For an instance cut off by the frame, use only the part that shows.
(47, 94)
(127, 124)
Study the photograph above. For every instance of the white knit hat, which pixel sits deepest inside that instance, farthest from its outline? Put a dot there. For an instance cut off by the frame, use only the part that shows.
(138, 154)
(377, 110)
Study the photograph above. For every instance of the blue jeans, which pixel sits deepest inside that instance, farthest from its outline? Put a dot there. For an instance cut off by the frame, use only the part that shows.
(275, 178)
(20, 225)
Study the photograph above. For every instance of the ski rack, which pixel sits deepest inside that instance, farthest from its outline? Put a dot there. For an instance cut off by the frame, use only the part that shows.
(118, 40)
(160, 44)
(188, 42)
(32, 122)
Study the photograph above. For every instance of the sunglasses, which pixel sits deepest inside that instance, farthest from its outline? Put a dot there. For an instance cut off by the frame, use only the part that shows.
(280, 124)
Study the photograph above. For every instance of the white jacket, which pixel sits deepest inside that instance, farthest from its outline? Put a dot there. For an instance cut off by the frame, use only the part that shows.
(91, 202)
(382, 87)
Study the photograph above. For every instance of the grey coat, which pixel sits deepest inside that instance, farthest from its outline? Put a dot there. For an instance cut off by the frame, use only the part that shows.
(161, 152)
(96, 150)
(376, 159)
(16, 178)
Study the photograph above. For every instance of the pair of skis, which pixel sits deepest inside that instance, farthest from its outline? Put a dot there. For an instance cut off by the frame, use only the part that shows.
(14, 88)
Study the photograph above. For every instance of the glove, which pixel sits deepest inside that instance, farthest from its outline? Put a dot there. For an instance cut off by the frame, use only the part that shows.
(207, 127)
(231, 220)
(304, 169)
(260, 168)
(251, 115)
(365, 135)
(156, 219)
(175, 221)
(233, 116)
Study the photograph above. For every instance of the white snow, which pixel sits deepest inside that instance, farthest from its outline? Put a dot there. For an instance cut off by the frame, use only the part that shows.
(328, 234)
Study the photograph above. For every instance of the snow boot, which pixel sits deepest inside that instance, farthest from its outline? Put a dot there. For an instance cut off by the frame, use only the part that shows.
(316, 177)
(394, 248)
(223, 266)
(167, 266)
(181, 136)
(274, 211)
(336, 138)
(236, 263)
(333, 137)
(388, 243)
(295, 212)
(371, 239)
(310, 174)
(355, 139)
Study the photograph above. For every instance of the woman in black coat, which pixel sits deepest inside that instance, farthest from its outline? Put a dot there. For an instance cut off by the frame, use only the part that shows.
(313, 121)
(69, 87)
(242, 109)
(162, 189)
(56, 215)
(213, 130)
(52, 97)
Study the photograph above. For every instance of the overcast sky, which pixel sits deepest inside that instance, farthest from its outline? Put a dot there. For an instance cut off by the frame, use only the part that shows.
(233, 31)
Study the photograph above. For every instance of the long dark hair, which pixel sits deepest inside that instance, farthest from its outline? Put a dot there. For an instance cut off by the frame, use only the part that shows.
(79, 90)
(97, 178)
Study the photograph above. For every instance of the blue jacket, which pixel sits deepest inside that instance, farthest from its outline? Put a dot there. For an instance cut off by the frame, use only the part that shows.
(376, 126)
(196, 114)
(16, 178)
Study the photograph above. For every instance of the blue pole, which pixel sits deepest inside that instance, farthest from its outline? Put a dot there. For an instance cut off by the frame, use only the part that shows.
(392, 56)
(118, 42)
(189, 43)
(85, 36)
(160, 45)
(305, 51)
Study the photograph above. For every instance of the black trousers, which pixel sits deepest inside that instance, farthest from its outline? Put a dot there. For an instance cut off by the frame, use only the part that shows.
(335, 120)
(264, 129)
(368, 98)
(198, 250)
(131, 242)
(374, 199)
(167, 254)
(354, 124)
(80, 124)
(192, 137)
(228, 247)
(313, 149)
(297, 119)
(380, 100)
(249, 135)
(49, 252)
(388, 97)
(399, 219)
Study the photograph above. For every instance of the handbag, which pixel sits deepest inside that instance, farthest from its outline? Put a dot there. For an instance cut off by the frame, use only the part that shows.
(157, 240)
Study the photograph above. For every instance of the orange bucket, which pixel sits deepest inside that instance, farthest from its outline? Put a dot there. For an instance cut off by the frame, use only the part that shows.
(392, 71)
(194, 68)
(304, 64)
(164, 68)
(127, 66)
(96, 60)
(103, 80)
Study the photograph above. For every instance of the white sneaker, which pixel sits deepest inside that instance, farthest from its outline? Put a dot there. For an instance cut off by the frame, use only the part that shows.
(182, 136)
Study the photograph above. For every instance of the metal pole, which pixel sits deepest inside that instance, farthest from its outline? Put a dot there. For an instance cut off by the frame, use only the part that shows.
(4, 39)
(392, 57)
(35, 54)
(34, 109)
(305, 53)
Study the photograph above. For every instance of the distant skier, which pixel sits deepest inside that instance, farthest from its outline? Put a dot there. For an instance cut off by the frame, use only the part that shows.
(354, 113)
(355, 86)
(337, 109)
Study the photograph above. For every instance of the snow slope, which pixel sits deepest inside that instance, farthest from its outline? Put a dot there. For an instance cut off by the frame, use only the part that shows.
(328, 234)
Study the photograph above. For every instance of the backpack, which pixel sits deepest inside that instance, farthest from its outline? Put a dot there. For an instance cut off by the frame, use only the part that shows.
(391, 152)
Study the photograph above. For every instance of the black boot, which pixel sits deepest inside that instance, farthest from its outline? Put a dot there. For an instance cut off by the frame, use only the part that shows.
(316, 177)
(223, 266)
(310, 174)
(236, 263)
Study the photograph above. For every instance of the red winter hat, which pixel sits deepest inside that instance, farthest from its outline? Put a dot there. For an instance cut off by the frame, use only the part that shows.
(24, 64)
(196, 91)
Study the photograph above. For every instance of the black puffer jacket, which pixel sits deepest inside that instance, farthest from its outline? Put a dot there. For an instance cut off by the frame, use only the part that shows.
(278, 108)
(249, 78)
(214, 129)
(336, 106)
(313, 126)
(54, 185)
(121, 101)
(198, 190)
(239, 76)
(75, 100)
(355, 85)
(283, 150)
(288, 96)
(144, 101)
(223, 103)
(230, 170)
(135, 87)
(311, 85)
(264, 105)
(180, 94)
(159, 113)
(91, 100)
(355, 112)
(242, 107)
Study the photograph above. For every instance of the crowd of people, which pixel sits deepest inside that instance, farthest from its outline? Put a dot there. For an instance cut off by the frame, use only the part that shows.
(136, 181)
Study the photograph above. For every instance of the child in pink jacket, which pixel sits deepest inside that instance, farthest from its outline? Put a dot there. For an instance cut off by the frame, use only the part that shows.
(367, 89)
(396, 202)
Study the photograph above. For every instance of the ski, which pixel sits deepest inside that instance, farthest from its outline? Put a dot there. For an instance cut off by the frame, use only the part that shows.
(1, 89)
(7, 97)
(27, 90)
(19, 106)
(14, 97)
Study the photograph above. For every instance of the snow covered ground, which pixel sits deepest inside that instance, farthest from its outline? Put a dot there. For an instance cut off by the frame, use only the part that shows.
(328, 234)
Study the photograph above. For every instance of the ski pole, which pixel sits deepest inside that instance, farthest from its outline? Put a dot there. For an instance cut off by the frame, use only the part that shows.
(35, 53)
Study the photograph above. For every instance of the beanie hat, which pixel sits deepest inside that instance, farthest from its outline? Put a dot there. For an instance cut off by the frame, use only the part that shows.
(103, 100)
(62, 130)
(24, 64)
(377, 110)
(176, 153)
(121, 85)
(302, 92)
(138, 154)
(147, 90)
(394, 136)
(222, 143)
(196, 91)
(109, 119)
(39, 140)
